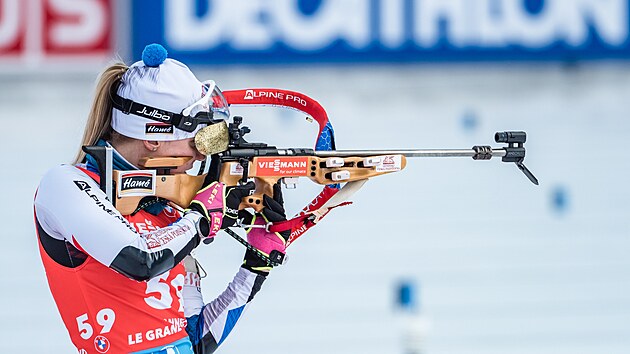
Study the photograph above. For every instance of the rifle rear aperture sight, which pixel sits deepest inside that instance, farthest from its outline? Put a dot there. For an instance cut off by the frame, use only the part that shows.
(236, 132)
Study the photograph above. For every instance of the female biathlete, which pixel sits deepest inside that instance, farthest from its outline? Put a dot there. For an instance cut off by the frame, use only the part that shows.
(126, 283)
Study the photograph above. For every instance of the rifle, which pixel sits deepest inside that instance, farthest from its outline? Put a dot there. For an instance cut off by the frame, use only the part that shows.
(267, 165)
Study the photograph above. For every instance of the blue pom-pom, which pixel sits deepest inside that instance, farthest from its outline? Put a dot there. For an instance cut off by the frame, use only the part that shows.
(153, 55)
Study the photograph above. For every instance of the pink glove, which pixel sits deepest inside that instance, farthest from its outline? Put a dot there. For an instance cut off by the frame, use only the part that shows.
(264, 240)
(210, 203)
(219, 204)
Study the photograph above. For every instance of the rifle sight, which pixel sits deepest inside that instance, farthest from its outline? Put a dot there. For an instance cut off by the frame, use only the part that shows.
(510, 137)
(236, 133)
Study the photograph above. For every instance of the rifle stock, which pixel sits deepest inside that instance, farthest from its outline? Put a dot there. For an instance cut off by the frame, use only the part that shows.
(270, 169)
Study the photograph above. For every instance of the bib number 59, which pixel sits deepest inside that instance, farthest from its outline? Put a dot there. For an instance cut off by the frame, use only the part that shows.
(105, 318)
(163, 299)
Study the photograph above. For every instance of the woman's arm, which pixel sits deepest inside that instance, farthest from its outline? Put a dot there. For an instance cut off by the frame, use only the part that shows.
(210, 324)
(70, 207)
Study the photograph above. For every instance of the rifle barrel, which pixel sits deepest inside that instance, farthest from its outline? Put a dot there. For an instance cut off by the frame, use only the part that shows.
(409, 153)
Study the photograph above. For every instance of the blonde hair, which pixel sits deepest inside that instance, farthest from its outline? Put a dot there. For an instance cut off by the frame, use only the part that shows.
(98, 125)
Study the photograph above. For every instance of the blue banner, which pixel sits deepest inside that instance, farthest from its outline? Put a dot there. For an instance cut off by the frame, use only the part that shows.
(290, 31)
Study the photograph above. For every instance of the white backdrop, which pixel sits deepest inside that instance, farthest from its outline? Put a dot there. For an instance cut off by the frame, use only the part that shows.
(503, 266)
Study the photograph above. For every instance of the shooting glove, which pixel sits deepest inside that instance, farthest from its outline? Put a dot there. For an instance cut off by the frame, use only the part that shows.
(263, 240)
(219, 204)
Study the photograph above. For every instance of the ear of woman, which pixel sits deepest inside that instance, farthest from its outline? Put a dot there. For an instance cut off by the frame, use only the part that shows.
(151, 145)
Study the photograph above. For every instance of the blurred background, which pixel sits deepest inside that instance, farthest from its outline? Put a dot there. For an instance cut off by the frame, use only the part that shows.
(448, 256)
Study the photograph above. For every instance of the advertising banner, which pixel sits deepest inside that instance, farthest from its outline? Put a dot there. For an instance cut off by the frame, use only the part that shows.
(288, 31)
(36, 31)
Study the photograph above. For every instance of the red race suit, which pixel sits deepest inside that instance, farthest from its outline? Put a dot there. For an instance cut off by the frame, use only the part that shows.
(117, 280)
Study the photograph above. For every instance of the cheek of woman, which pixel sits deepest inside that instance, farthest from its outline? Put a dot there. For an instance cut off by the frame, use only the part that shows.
(180, 148)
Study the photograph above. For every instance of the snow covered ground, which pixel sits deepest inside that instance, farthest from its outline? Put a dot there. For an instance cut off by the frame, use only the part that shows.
(502, 266)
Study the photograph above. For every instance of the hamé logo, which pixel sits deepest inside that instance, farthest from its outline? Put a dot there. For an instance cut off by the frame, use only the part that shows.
(136, 183)
(158, 128)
